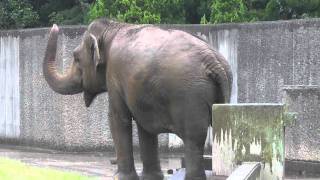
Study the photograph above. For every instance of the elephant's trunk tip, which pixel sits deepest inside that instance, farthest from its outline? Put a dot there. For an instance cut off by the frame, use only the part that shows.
(55, 28)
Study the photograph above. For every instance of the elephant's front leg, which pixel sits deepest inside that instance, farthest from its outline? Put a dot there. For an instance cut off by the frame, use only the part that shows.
(121, 129)
(149, 155)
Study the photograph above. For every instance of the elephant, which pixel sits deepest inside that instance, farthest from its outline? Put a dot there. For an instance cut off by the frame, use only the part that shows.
(165, 80)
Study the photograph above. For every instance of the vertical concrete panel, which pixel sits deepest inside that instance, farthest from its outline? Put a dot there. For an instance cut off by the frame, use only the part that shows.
(55, 120)
(306, 43)
(302, 137)
(227, 41)
(301, 56)
(9, 85)
(264, 62)
(314, 46)
(41, 113)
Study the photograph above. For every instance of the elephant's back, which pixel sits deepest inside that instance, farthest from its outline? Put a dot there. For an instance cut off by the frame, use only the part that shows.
(151, 41)
(158, 71)
(148, 47)
(147, 57)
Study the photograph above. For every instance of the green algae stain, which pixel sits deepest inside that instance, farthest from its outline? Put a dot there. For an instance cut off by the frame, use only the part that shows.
(248, 124)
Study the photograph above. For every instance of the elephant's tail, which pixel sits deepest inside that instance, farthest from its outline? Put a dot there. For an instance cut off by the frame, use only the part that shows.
(218, 69)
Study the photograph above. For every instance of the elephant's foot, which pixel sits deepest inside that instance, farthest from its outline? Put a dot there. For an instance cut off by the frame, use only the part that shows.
(126, 176)
(156, 175)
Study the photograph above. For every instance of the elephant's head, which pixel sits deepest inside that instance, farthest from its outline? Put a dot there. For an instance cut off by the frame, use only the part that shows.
(87, 72)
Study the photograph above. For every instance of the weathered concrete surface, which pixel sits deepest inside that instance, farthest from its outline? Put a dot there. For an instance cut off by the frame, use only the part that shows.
(9, 88)
(249, 133)
(274, 54)
(303, 137)
(51, 119)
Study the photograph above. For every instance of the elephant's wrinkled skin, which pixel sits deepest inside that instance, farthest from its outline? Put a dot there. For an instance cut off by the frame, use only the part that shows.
(166, 80)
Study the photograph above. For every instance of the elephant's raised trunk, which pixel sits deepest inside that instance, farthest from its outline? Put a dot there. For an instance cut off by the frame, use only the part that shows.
(62, 84)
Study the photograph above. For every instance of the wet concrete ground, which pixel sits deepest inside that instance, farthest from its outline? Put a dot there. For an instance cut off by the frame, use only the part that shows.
(96, 164)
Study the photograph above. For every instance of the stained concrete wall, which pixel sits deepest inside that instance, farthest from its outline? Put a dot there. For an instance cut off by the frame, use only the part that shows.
(302, 137)
(277, 54)
(50, 119)
(263, 56)
(9, 88)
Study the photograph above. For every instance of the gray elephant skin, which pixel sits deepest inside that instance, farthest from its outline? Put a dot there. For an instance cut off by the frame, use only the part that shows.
(165, 80)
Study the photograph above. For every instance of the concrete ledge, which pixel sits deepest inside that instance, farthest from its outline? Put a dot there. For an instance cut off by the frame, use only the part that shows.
(247, 171)
(302, 169)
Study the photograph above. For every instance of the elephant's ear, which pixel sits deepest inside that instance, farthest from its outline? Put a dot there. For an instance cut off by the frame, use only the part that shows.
(95, 51)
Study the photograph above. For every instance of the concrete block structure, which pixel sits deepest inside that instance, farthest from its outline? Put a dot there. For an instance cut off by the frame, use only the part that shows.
(302, 138)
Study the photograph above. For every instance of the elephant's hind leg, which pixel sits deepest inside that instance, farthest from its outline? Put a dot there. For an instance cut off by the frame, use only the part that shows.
(194, 160)
(194, 139)
(121, 129)
(149, 155)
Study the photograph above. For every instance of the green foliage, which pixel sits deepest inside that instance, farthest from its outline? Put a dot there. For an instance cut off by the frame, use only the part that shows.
(204, 20)
(17, 14)
(68, 16)
(63, 12)
(32, 13)
(273, 10)
(55, 18)
(256, 9)
(303, 7)
(204, 10)
(171, 11)
(228, 11)
(139, 11)
(135, 11)
(97, 9)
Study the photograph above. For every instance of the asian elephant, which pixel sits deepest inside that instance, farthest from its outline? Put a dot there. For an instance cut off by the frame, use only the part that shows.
(165, 80)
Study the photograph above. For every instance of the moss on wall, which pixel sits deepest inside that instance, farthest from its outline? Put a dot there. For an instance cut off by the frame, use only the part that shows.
(248, 124)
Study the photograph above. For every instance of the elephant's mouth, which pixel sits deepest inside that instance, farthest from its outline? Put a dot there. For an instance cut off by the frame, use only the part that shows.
(88, 98)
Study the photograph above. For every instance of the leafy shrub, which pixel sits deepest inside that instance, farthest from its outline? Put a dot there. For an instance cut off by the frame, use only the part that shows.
(228, 11)
(17, 14)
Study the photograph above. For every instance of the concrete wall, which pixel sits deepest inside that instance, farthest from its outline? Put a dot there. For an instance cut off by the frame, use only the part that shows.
(302, 137)
(263, 56)
(9, 88)
(48, 118)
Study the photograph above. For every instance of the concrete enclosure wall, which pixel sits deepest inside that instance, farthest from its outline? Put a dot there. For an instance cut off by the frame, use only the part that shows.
(50, 119)
(263, 56)
(302, 137)
(9, 88)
